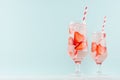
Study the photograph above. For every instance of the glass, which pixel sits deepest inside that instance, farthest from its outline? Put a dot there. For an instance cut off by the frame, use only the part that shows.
(77, 44)
(99, 49)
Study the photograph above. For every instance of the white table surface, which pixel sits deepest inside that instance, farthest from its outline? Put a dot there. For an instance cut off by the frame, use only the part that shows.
(59, 77)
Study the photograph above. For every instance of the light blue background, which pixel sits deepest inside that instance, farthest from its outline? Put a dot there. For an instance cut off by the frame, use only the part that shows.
(33, 35)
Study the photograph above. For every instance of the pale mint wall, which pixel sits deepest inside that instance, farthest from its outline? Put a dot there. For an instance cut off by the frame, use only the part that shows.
(33, 35)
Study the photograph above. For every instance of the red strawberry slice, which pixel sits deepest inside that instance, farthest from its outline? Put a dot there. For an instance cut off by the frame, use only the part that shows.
(100, 49)
(71, 50)
(82, 45)
(94, 46)
(70, 41)
(78, 37)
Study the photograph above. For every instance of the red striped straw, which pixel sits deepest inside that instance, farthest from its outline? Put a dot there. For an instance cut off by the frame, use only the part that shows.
(104, 22)
(85, 13)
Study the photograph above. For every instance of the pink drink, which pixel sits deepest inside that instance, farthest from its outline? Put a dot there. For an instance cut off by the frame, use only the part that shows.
(98, 47)
(77, 42)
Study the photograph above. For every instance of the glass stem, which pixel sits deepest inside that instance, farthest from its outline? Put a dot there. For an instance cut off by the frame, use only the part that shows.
(77, 69)
(99, 71)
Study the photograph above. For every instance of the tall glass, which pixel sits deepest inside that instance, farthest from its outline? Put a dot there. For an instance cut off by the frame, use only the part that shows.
(99, 49)
(77, 44)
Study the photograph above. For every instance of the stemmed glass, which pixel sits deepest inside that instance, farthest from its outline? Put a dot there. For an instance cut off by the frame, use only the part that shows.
(99, 49)
(77, 44)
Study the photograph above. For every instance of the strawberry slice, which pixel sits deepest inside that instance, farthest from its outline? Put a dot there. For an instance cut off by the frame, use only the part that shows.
(94, 46)
(82, 45)
(78, 38)
(70, 41)
(71, 50)
(100, 49)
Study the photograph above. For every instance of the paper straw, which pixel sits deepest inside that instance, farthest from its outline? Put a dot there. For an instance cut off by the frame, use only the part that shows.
(104, 22)
(85, 13)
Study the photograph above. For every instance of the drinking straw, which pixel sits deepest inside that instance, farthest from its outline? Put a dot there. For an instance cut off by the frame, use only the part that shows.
(104, 22)
(85, 13)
